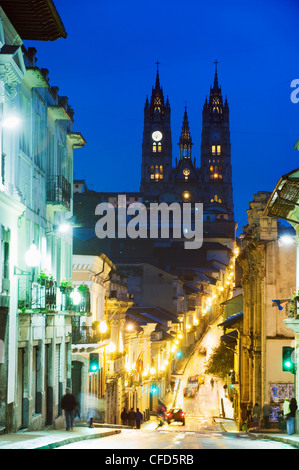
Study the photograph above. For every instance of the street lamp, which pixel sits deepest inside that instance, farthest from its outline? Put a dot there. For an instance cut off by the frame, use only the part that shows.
(103, 327)
(111, 347)
(76, 297)
(32, 256)
(11, 121)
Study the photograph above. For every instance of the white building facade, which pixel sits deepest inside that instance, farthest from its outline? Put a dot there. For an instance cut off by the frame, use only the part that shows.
(36, 175)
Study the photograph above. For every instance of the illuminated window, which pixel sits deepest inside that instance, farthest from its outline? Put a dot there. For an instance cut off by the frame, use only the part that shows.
(214, 149)
(218, 149)
(161, 172)
(211, 168)
(154, 147)
(152, 172)
(159, 147)
(157, 172)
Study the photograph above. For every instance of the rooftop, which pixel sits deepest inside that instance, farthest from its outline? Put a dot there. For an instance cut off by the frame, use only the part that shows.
(35, 19)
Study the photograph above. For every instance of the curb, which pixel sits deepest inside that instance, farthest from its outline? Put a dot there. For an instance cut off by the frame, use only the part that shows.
(271, 437)
(70, 440)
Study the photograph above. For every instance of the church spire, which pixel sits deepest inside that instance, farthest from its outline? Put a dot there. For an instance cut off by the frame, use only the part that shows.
(185, 142)
(215, 106)
(216, 86)
(157, 76)
(157, 105)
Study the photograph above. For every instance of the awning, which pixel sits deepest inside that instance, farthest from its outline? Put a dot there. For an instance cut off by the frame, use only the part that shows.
(231, 320)
(230, 337)
(191, 288)
(284, 200)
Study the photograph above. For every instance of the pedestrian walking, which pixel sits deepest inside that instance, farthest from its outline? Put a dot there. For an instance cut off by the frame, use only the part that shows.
(124, 417)
(69, 404)
(132, 417)
(266, 414)
(286, 407)
(212, 383)
(290, 417)
(256, 415)
(138, 418)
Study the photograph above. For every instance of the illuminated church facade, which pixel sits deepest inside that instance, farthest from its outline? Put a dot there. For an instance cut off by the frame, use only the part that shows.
(211, 183)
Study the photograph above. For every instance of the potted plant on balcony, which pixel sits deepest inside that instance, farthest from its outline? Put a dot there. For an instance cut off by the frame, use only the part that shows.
(42, 278)
(45, 279)
(65, 286)
(83, 288)
(50, 281)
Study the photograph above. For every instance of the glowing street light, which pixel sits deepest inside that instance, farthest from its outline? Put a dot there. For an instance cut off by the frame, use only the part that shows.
(76, 297)
(12, 121)
(130, 327)
(111, 347)
(32, 256)
(103, 326)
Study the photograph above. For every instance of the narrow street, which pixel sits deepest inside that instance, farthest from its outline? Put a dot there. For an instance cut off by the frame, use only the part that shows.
(169, 439)
(201, 431)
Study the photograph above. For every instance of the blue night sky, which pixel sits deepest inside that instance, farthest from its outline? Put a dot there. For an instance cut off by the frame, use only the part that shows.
(106, 67)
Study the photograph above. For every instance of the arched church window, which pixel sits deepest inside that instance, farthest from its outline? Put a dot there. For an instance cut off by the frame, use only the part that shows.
(152, 172)
(218, 149)
(159, 147)
(161, 172)
(154, 147)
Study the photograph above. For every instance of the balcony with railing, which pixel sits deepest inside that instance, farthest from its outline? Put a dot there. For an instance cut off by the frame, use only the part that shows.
(59, 192)
(115, 363)
(35, 296)
(86, 334)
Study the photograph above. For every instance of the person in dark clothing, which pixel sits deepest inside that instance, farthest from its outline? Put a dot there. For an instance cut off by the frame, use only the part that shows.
(69, 404)
(124, 417)
(138, 418)
(256, 414)
(131, 417)
(266, 414)
(290, 417)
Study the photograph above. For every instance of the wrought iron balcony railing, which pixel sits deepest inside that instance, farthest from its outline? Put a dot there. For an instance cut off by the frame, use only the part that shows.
(34, 296)
(67, 302)
(59, 191)
(87, 335)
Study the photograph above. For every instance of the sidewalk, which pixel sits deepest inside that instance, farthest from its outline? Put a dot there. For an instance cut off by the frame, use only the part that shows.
(228, 425)
(54, 438)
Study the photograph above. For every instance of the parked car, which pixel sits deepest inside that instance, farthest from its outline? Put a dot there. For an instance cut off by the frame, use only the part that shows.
(175, 414)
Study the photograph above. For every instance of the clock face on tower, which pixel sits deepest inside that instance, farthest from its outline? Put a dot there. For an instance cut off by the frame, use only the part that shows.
(157, 136)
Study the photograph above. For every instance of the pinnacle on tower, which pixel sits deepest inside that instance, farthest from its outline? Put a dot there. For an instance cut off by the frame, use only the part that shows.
(185, 142)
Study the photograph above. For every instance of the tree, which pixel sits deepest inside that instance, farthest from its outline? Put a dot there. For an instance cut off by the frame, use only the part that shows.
(220, 362)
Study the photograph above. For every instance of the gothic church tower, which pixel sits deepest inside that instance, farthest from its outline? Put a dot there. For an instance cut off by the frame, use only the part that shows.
(156, 146)
(216, 168)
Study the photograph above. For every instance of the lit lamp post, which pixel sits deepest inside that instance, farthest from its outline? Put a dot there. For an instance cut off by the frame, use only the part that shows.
(32, 258)
(103, 328)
